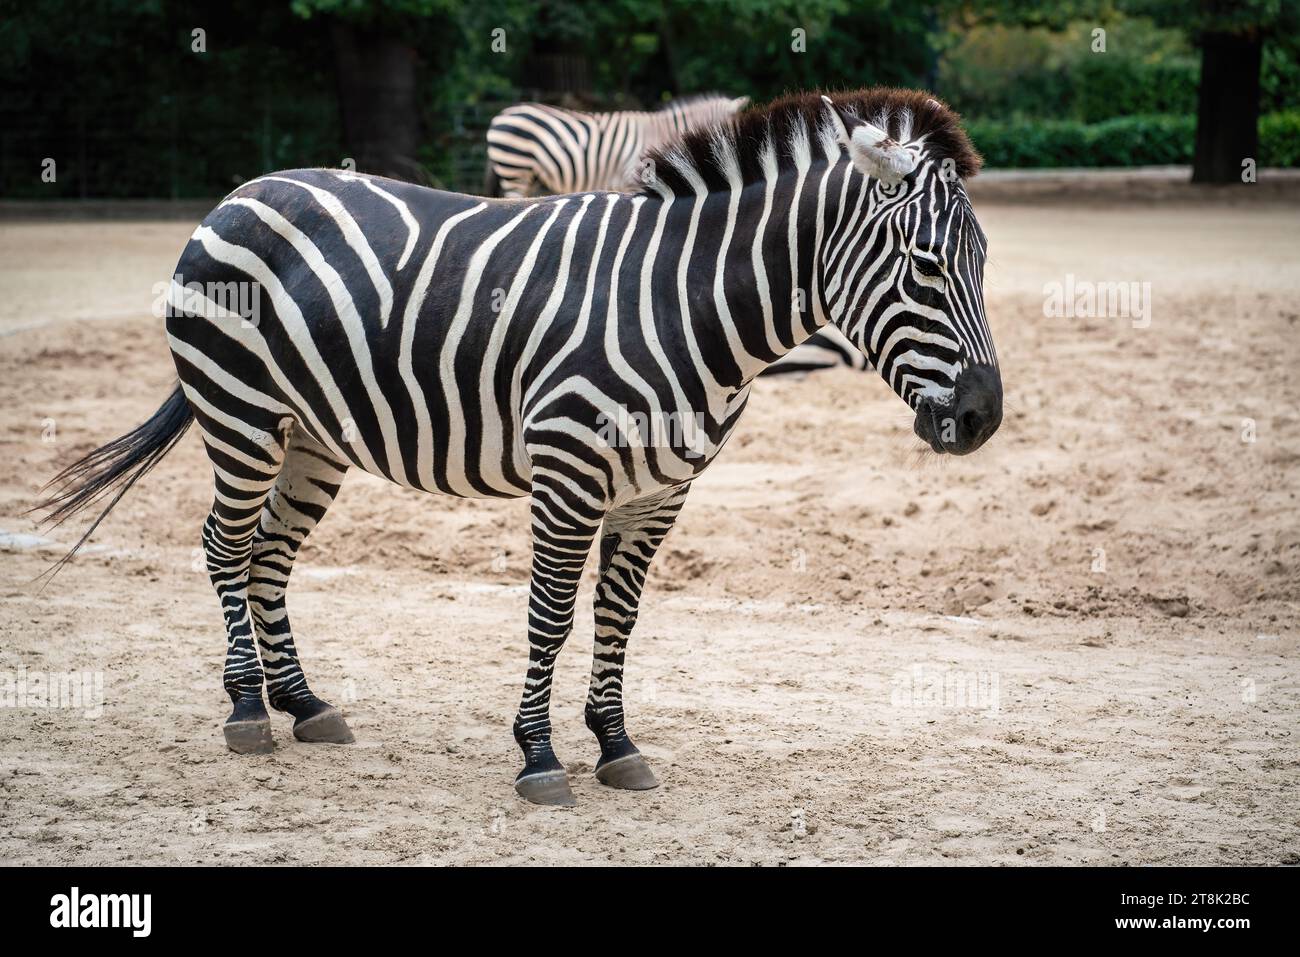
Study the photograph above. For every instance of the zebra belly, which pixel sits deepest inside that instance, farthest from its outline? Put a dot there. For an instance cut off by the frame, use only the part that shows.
(623, 437)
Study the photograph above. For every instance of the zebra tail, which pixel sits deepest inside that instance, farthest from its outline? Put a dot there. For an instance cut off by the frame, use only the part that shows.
(115, 466)
(492, 183)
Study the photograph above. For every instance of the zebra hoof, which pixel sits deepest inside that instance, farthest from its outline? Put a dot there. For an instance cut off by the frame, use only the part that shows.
(630, 772)
(547, 787)
(328, 727)
(249, 737)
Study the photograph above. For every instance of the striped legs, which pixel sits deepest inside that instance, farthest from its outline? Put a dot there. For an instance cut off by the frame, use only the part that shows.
(563, 530)
(245, 464)
(631, 536)
(308, 482)
(562, 537)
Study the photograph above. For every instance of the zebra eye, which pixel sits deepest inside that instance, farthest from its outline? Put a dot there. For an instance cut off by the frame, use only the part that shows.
(927, 270)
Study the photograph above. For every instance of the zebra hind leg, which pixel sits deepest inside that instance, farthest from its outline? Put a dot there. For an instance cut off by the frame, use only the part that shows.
(632, 534)
(308, 482)
(245, 466)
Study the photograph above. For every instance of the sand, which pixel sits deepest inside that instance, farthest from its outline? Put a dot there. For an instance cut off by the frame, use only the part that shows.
(1114, 579)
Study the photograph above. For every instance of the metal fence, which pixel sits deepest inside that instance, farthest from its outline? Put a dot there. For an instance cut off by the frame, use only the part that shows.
(177, 151)
(177, 154)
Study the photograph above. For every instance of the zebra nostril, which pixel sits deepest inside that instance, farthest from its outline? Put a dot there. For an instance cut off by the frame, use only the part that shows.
(970, 423)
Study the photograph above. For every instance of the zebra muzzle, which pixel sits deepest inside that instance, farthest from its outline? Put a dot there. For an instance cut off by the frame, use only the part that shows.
(974, 414)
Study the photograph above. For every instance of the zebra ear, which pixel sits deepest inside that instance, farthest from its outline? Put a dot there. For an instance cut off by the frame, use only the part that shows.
(843, 123)
(873, 151)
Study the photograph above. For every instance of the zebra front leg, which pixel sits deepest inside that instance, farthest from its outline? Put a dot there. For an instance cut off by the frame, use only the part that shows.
(563, 530)
(631, 536)
(309, 480)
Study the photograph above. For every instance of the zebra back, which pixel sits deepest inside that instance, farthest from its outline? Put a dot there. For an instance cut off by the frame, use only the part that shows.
(535, 148)
(678, 117)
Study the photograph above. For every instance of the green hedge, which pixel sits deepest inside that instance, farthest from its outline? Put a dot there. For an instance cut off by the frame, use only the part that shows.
(1279, 139)
(1158, 140)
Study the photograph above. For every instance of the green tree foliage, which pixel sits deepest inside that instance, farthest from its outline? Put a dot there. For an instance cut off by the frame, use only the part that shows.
(645, 51)
(1231, 36)
(113, 90)
(999, 71)
(1199, 17)
(115, 93)
(1279, 139)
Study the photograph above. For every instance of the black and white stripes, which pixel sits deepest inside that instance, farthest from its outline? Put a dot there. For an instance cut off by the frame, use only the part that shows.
(529, 348)
(534, 148)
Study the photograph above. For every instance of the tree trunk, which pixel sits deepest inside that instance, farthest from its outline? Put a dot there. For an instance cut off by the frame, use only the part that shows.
(377, 101)
(668, 48)
(1227, 117)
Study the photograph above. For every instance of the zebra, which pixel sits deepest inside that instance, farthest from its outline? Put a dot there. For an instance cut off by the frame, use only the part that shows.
(826, 348)
(494, 348)
(535, 148)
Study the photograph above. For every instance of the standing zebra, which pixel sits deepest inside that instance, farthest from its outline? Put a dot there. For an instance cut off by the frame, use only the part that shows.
(534, 148)
(488, 348)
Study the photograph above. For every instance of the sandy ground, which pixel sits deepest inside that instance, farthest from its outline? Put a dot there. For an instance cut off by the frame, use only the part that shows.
(1116, 576)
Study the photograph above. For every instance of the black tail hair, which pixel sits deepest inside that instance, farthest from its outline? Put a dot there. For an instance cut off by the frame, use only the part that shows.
(117, 465)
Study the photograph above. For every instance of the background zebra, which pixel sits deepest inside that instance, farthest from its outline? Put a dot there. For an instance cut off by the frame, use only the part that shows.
(487, 348)
(824, 349)
(535, 149)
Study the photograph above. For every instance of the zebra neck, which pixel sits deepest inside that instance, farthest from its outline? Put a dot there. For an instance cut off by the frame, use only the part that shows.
(748, 277)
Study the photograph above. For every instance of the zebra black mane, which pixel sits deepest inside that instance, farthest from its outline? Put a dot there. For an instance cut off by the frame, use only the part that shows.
(780, 120)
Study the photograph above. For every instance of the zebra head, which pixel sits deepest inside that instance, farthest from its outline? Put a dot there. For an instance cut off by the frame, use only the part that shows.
(903, 265)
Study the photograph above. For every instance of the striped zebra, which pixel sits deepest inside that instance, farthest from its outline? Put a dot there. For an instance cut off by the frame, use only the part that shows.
(534, 148)
(591, 352)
